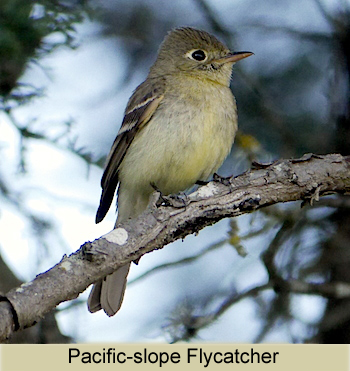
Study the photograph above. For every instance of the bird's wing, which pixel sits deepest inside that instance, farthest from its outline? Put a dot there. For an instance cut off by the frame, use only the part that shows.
(142, 105)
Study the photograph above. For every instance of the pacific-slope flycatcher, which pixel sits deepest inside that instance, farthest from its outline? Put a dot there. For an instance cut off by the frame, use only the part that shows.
(178, 128)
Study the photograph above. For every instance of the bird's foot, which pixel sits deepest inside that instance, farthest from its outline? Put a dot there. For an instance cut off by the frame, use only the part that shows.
(221, 179)
(175, 200)
(216, 178)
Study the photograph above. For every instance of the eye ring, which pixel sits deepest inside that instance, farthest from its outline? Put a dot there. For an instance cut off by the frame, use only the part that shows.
(198, 55)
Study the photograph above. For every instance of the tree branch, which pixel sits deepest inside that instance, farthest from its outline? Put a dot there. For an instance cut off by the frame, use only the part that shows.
(306, 178)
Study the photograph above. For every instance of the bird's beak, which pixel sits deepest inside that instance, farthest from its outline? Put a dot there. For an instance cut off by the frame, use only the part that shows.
(234, 57)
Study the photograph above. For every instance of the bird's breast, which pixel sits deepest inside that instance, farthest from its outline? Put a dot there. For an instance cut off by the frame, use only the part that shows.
(186, 140)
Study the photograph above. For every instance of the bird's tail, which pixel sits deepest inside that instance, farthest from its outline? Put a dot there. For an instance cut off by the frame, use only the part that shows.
(108, 293)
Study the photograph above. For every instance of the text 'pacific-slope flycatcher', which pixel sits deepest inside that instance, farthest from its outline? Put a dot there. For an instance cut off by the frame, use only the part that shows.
(178, 128)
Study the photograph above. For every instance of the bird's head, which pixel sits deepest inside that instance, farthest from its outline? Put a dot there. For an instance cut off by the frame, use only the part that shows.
(190, 51)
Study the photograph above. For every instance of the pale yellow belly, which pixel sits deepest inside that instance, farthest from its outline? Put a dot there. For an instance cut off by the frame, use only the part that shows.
(173, 152)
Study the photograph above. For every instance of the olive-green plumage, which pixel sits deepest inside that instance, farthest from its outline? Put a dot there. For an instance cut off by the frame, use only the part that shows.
(178, 128)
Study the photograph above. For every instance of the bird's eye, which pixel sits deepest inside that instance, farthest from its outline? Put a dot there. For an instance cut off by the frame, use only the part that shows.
(198, 55)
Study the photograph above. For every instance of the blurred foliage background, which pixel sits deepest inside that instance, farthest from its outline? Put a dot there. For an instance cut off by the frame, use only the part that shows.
(66, 71)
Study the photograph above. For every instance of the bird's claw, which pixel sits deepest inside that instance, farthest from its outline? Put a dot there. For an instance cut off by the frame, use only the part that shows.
(221, 179)
(175, 200)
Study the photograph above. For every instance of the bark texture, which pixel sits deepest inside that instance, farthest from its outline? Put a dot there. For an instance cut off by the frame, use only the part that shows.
(307, 179)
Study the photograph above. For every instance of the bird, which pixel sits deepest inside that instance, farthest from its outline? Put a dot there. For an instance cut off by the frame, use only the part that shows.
(178, 128)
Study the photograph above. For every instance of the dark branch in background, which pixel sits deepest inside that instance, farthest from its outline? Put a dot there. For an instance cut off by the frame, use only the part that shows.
(213, 20)
(180, 262)
(307, 178)
(187, 321)
(27, 133)
(188, 324)
(200, 254)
